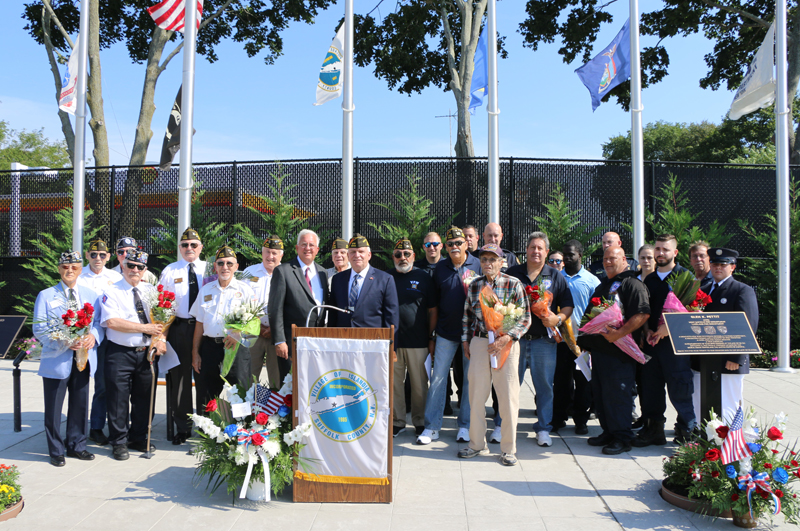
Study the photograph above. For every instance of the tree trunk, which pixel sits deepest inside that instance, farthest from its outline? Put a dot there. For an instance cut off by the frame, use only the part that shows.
(133, 184)
(66, 125)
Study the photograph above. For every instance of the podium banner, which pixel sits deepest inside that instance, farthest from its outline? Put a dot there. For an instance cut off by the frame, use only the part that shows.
(343, 391)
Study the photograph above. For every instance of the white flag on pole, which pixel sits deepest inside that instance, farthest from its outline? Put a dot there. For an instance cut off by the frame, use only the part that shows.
(68, 99)
(330, 82)
(758, 87)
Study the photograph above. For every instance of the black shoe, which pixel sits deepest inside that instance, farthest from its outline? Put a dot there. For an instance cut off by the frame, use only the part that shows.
(601, 440)
(651, 434)
(557, 425)
(418, 430)
(638, 424)
(682, 436)
(617, 447)
(180, 438)
(396, 430)
(120, 452)
(83, 455)
(581, 429)
(58, 461)
(141, 446)
(98, 437)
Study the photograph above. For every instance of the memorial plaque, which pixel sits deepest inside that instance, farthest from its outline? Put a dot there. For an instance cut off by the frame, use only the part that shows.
(700, 333)
(10, 325)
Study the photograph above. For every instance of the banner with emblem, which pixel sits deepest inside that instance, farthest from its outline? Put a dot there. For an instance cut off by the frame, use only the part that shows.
(329, 85)
(343, 392)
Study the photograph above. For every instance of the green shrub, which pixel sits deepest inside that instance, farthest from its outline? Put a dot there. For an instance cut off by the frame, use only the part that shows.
(562, 223)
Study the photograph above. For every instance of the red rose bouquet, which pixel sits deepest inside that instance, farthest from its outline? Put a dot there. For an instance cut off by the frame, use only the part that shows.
(70, 327)
(163, 309)
(539, 300)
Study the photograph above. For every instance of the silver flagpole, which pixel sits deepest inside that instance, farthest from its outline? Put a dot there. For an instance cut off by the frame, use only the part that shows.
(347, 125)
(493, 112)
(79, 163)
(782, 166)
(185, 181)
(637, 149)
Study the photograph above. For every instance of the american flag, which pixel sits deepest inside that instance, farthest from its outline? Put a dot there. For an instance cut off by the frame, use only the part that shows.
(266, 401)
(734, 446)
(169, 14)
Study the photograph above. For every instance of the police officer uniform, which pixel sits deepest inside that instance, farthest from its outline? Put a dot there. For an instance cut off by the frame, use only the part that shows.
(264, 350)
(184, 279)
(212, 305)
(596, 268)
(338, 243)
(59, 370)
(128, 376)
(729, 295)
(99, 282)
(127, 241)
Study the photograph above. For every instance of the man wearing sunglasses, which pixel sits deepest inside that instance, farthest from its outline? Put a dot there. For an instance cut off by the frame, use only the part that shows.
(339, 257)
(216, 300)
(125, 244)
(432, 245)
(58, 368)
(126, 316)
(98, 277)
(184, 278)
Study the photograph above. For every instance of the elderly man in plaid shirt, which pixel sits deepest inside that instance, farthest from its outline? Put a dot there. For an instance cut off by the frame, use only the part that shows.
(481, 376)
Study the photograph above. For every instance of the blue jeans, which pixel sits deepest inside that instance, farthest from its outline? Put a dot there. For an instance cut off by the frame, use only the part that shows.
(540, 356)
(437, 394)
(98, 413)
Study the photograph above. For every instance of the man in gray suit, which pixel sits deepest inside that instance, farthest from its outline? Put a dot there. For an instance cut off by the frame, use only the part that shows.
(296, 287)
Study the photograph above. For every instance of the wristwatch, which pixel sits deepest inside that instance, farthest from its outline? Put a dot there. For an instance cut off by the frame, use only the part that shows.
(560, 321)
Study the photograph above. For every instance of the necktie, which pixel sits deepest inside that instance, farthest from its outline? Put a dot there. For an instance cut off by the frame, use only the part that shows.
(715, 286)
(140, 311)
(72, 300)
(308, 281)
(353, 298)
(193, 288)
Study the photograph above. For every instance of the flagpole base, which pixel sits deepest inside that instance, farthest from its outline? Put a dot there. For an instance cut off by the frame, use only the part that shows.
(784, 370)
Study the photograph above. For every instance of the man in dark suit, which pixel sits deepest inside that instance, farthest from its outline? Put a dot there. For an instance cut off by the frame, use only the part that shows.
(727, 295)
(368, 293)
(297, 286)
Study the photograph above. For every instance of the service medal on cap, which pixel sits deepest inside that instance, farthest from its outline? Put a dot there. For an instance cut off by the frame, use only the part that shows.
(404, 243)
(135, 255)
(71, 257)
(453, 233)
(98, 245)
(357, 241)
(190, 234)
(126, 241)
(491, 248)
(225, 252)
(339, 243)
(273, 242)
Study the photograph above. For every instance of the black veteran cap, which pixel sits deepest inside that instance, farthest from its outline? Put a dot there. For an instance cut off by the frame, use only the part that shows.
(404, 243)
(339, 243)
(98, 245)
(190, 234)
(136, 255)
(453, 233)
(225, 252)
(721, 255)
(126, 241)
(273, 242)
(71, 257)
(357, 241)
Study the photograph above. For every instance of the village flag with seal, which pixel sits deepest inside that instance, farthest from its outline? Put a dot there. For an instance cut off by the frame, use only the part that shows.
(343, 392)
(609, 68)
(758, 86)
(68, 99)
(330, 83)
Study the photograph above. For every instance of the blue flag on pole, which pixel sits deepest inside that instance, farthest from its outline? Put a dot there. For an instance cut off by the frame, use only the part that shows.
(609, 68)
(480, 76)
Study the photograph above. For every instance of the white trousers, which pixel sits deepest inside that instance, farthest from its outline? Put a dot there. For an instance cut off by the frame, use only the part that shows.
(732, 393)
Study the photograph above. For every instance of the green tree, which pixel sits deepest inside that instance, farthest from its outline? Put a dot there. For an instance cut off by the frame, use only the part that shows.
(280, 217)
(763, 274)
(736, 27)
(44, 268)
(562, 223)
(756, 155)
(30, 149)
(413, 219)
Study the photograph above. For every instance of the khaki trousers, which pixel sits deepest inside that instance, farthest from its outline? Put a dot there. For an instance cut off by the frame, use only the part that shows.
(263, 348)
(506, 384)
(413, 360)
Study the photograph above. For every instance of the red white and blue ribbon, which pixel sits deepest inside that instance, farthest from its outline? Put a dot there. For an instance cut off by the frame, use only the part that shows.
(245, 437)
(760, 480)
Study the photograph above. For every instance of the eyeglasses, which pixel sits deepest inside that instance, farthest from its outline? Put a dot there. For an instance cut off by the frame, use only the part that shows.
(428, 245)
(98, 255)
(71, 267)
(140, 267)
(192, 245)
(403, 254)
(489, 260)
(458, 243)
(121, 252)
(222, 263)
(555, 261)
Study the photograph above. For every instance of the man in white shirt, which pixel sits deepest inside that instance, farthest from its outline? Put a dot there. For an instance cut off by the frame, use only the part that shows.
(216, 300)
(184, 278)
(260, 280)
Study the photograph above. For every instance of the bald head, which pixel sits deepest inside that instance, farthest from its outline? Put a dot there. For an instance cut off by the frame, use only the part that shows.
(493, 233)
(614, 261)
(611, 239)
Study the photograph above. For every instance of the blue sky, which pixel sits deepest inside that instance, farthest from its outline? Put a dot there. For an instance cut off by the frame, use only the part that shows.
(245, 110)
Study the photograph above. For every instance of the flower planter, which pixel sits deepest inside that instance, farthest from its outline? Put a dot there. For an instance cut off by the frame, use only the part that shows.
(693, 505)
(256, 491)
(745, 521)
(12, 511)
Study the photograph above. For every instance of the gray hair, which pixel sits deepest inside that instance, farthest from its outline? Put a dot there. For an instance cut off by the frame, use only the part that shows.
(538, 235)
(308, 231)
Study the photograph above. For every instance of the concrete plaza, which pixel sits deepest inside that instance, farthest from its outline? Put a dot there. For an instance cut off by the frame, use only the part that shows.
(570, 486)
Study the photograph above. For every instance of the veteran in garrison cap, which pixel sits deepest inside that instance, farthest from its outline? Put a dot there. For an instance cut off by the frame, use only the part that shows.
(125, 244)
(727, 295)
(216, 300)
(339, 258)
(184, 278)
(259, 277)
(368, 294)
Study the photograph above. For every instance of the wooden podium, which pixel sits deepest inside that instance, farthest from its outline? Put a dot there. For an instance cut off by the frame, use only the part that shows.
(329, 492)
